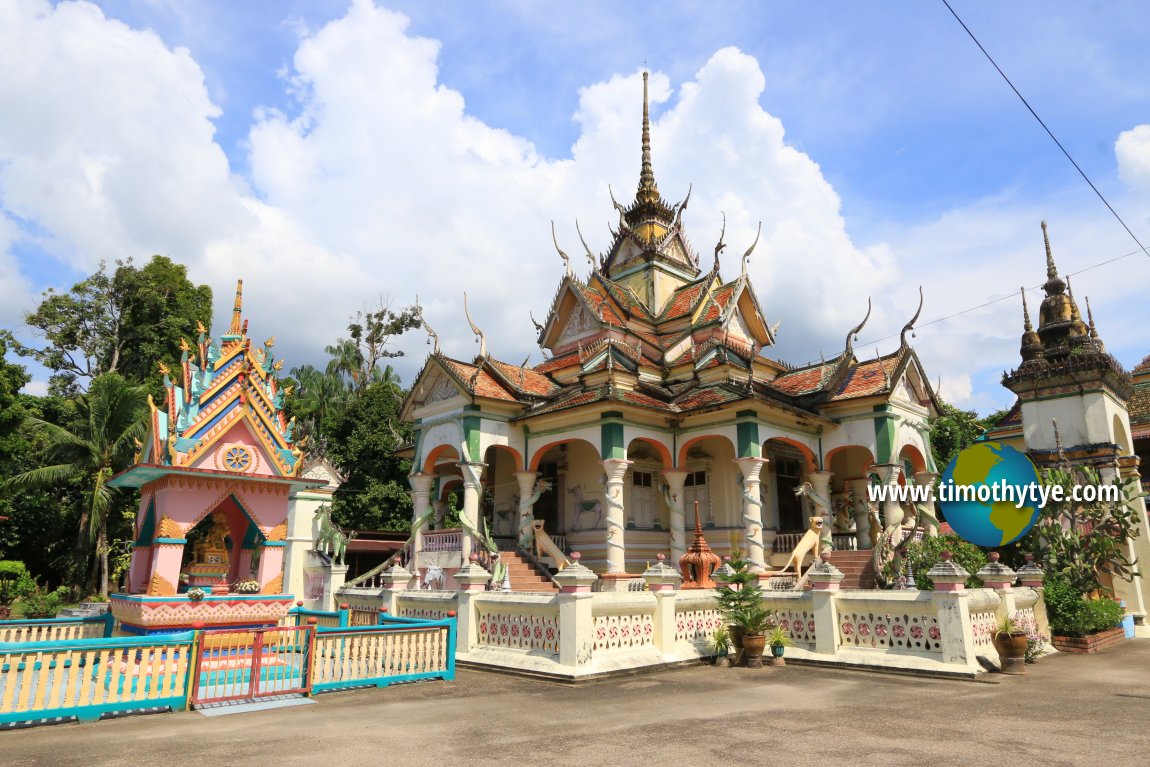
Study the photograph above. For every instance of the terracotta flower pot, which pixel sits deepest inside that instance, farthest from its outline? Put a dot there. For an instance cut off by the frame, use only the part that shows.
(1011, 652)
(753, 646)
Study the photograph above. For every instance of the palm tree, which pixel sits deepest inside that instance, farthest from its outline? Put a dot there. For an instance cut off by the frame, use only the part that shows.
(111, 419)
(346, 362)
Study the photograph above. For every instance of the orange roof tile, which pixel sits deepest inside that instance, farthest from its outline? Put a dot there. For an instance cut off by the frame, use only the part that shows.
(801, 382)
(484, 384)
(867, 378)
(683, 301)
(525, 380)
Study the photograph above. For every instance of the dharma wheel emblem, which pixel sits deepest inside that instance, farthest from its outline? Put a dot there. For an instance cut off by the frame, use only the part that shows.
(237, 458)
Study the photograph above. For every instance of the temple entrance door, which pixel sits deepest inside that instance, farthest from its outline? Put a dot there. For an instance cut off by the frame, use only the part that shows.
(789, 475)
(547, 507)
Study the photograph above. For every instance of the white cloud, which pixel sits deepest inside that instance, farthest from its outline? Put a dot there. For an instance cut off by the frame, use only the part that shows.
(1132, 149)
(380, 183)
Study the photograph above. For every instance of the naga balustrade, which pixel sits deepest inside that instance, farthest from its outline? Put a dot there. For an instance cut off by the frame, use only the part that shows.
(443, 540)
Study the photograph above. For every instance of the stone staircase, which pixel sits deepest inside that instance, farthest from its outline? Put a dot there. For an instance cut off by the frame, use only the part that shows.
(524, 576)
(857, 568)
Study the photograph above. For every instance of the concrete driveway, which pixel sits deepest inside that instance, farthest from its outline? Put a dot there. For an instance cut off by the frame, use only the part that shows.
(1069, 710)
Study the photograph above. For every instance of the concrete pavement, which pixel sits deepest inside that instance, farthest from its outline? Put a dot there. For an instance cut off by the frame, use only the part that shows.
(1070, 710)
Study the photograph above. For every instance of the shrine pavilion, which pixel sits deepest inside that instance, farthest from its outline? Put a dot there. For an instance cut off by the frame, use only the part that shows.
(659, 392)
(219, 474)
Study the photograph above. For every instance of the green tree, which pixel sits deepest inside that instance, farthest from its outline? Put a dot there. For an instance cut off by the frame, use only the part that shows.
(371, 332)
(124, 322)
(362, 443)
(111, 417)
(952, 431)
(12, 441)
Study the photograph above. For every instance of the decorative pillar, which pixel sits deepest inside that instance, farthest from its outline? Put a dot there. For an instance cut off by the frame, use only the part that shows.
(861, 511)
(527, 481)
(995, 575)
(663, 581)
(469, 516)
(956, 634)
(821, 482)
(927, 479)
(421, 485)
(396, 580)
(892, 513)
(673, 494)
(576, 620)
(270, 570)
(615, 469)
(440, 507)
(167, 557)
(334, 578)
(825, 579)
(472, 580)
(752, 512)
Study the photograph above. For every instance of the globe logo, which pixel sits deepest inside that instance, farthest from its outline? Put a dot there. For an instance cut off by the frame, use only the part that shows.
(989, 494)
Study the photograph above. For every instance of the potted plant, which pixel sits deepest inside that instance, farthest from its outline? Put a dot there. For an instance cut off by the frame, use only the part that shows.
(1010, 641)
(739, 592)
(755, 622)
(778, 639)
(720, 645)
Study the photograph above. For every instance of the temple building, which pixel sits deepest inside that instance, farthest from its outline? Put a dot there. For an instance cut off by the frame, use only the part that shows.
(659, 397)
(1075, 399)
(221, 476)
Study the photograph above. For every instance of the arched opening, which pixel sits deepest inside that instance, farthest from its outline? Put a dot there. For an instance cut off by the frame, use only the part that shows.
(712, 482)
(440, 457)
(500, 500)
(573, 470)
(912, 462)
(646, 508)
(1122, 438)
(789, 463)
(223, 547)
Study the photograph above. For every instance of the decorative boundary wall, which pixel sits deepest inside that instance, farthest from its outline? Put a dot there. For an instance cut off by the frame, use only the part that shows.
(580, 632)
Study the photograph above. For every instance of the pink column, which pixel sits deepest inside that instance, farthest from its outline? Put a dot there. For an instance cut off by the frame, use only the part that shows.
(270, 570)
(164, 579)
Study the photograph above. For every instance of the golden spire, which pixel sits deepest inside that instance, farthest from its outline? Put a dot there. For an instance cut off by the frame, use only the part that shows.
(236, 327)
(648, 190)
(1026, 326)
(1051, 269)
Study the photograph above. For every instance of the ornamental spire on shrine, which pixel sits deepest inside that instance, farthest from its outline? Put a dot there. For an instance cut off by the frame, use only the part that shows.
(648, 189)
(236, 328)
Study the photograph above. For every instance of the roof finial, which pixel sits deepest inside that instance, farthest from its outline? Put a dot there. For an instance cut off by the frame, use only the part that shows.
(562, 255)
(853, 334)
(1074, 313)
(1093, 330)
(1025, 313)
(590, 256)
(750, 250)
(479, 335)
(720, 246)
(647, 174)
(910, 325)
(1051, 269)
(236, 327)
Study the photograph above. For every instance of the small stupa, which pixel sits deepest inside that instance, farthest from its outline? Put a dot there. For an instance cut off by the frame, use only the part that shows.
(699, 561)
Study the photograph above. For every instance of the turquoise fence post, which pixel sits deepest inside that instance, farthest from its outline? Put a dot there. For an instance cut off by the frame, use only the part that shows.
(381, 619)
(452, 630)
(109, 623)
(295, 611)
(344, 615)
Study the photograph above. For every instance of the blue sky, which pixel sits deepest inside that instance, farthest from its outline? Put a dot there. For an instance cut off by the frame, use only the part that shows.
(331, 153)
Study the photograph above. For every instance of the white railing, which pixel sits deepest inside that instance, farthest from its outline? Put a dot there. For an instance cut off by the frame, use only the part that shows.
(845, 541)
(623, 621)
(443, 540)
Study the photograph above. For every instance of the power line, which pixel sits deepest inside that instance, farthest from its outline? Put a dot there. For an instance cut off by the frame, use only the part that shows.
(920, 326)
(1050, 133)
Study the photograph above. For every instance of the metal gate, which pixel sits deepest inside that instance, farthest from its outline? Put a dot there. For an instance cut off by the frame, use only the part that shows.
(249, 664)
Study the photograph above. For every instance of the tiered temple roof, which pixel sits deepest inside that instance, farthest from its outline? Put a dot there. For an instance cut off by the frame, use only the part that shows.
(224, 391)
(648, 329)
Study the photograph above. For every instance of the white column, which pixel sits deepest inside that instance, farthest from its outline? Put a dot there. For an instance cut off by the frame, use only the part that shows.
(926, 479)
(821, 482)
(676, 478)
(615, 469)
(421, 485)
(752, 512)
(892, 513)
(861, 511)
(472, 474)
(527, 481)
